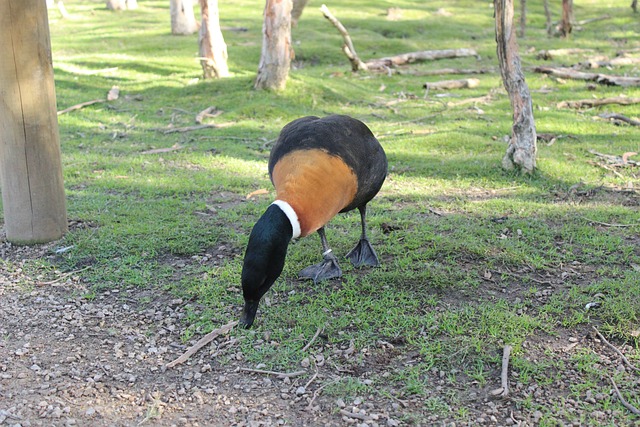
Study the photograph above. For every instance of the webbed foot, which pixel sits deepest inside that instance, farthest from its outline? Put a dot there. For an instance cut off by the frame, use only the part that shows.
(327, 269)
(363, 254)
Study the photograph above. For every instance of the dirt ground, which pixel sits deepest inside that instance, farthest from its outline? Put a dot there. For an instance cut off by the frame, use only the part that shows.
(69, 361)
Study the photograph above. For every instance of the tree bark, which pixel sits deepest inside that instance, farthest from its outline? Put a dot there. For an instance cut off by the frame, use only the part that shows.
(522, 148)
(296, 11)
(183, 20)
(277, 52)
(213, 49)
(547, 14)
(30, 165)
(567, 18)
(634, 6)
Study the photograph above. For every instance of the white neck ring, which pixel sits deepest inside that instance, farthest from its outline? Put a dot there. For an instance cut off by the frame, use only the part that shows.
(291, 214)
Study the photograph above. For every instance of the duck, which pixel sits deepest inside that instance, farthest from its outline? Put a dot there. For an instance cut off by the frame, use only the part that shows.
(319, 167)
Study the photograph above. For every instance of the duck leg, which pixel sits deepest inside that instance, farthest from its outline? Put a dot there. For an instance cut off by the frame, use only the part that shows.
(363, 253)
(327, 269)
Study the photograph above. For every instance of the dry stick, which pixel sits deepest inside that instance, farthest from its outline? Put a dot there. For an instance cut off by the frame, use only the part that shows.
(626, 404)
(64, 276)
(81, 105)
(443, 71)
(605, 79)
(306, 347)
(207, 112)
(605, 224)
(277, 374)
(503, 391)
(190, 128)
(620, 100)
(616, 350)
(349, 50)
(203, 341)
(620, 117)
(317, 393)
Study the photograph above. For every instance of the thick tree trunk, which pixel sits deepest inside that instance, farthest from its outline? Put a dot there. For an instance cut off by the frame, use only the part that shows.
(183, 20)
(213, 49)
(30, 165)
(277, 52)
(567, 18)
(634, 5)
(296, 12)
(522, 146)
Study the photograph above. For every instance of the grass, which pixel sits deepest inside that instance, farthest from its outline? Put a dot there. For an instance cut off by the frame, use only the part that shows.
(454, 287)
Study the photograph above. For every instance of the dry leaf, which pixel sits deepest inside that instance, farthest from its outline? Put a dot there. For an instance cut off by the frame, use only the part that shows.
(257, 193)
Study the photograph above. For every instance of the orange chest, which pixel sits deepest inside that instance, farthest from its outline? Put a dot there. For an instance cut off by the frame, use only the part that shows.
(316, 184)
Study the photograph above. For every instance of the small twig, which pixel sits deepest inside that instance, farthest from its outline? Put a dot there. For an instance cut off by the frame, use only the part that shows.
(190, 128)
(614, 348)
(503, 391)
(277, 374)
(81, 105)
(354, 415)
(203, 341)
(317, 393)
(626, 404)
(64, 276)
(606, 224)
(306, 347)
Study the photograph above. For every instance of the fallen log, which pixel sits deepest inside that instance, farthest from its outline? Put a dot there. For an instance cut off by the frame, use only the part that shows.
(568, 73)
(615, 62)
(425, 55)
(452, 84)
(596, 102)
(444, 71)
(552, 53)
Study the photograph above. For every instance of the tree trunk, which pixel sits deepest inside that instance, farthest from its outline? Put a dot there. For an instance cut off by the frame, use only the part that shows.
(132, 4)
(183, 20)
(117, 4)
(296, 12)
(30, 165)
(523, 17)
(547, 14)
(567, 18)
(634, 5)
(522, 146)
(277, 52)
(213, 49)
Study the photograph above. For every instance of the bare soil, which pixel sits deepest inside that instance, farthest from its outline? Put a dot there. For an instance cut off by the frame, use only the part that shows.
(66, 360)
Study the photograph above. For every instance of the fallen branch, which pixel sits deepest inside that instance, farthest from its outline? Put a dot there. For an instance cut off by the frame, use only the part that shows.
(81, 105)
(190, 128)
(620, 118)
(202, 342)
(452, 84)
(174, 147)
(550, 54)
(347, 48)
(277, 374)
(615, 62)
(503, 391)
(306, 347)
(624, 403)
(617, 160)
(614, 348)
(620, 100)
(590, 20)
(207, 112)
(425, 55)
(606, 224)
(569, 73)
(444, 71)
(61, 278)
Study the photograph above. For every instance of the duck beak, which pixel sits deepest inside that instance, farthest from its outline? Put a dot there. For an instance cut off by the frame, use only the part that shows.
(248, 313)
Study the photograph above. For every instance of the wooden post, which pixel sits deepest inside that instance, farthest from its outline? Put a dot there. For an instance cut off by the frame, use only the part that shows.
(30, 166)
